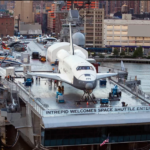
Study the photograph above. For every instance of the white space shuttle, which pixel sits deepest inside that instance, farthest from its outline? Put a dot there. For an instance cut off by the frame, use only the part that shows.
(74, 69)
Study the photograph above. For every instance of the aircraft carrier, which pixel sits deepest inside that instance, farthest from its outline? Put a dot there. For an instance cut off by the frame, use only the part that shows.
(43, 121)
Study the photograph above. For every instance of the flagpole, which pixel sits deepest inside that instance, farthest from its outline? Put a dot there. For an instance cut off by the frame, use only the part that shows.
(105, 141)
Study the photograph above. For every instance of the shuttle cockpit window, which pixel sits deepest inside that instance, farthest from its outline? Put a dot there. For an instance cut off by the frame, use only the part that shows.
(85, 68)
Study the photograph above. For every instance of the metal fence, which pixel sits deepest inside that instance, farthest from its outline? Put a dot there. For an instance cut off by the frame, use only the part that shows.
(25, 94)
(133, 89)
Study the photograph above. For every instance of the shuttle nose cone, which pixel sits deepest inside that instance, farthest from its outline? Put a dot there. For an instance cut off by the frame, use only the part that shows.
(89, 86)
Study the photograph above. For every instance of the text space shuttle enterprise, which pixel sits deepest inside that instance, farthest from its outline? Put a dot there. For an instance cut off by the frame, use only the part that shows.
(75, 69)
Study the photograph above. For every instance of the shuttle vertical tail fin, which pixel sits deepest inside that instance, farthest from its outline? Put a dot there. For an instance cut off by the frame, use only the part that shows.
(71, 42)
(122, 66)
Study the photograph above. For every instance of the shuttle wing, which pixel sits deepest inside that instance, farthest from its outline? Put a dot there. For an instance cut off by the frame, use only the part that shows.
(105, 75)
(54, 76)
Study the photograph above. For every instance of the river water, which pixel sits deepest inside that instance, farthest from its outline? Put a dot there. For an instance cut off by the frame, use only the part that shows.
(142, 71)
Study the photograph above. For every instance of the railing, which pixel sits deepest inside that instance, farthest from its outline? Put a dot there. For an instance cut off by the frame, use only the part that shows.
(133, 89)
(26, 94)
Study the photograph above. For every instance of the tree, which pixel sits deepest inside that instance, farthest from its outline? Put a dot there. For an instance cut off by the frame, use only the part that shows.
(138, 52)
(94, 54)
(11, 14)
(7, 12)
(101, 56)
(122, 53)
(116, 52)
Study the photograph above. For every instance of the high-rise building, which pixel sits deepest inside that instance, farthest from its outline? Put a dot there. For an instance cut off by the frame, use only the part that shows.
(93, 27)
(3, 4)
(10, 5)
(143, 6)
(51, 18)
(111, 7)
(148, 6)
(24, 9)
(115, 6)
(75, 5)
(136, 7)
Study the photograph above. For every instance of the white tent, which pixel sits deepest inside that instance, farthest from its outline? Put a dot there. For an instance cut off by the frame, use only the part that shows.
(53, 49)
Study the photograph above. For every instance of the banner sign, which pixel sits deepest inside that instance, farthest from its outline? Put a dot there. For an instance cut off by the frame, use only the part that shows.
(102, 110)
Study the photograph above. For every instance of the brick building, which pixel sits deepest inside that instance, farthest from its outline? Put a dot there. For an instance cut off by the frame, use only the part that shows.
(6, 26)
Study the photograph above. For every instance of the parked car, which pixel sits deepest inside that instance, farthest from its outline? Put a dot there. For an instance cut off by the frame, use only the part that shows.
(42, 58)
(35, 55)
(19, 47)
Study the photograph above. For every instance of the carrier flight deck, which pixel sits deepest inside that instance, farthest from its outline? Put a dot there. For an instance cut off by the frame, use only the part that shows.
(40, 105)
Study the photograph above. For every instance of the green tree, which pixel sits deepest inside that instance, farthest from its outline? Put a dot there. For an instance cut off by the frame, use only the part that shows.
(101, 56)
(116, 52)
(138, 52)
(7, 12)
(122, 53)
(94, 54)
(11, 14)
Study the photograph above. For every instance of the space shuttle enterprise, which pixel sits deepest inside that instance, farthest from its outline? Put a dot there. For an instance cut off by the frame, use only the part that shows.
(74, 69)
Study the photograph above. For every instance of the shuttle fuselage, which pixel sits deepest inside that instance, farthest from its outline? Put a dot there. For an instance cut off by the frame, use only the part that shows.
(74, 69)
(81, 73)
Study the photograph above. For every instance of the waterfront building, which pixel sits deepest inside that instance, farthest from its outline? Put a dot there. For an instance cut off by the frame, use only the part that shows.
(126, 33)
